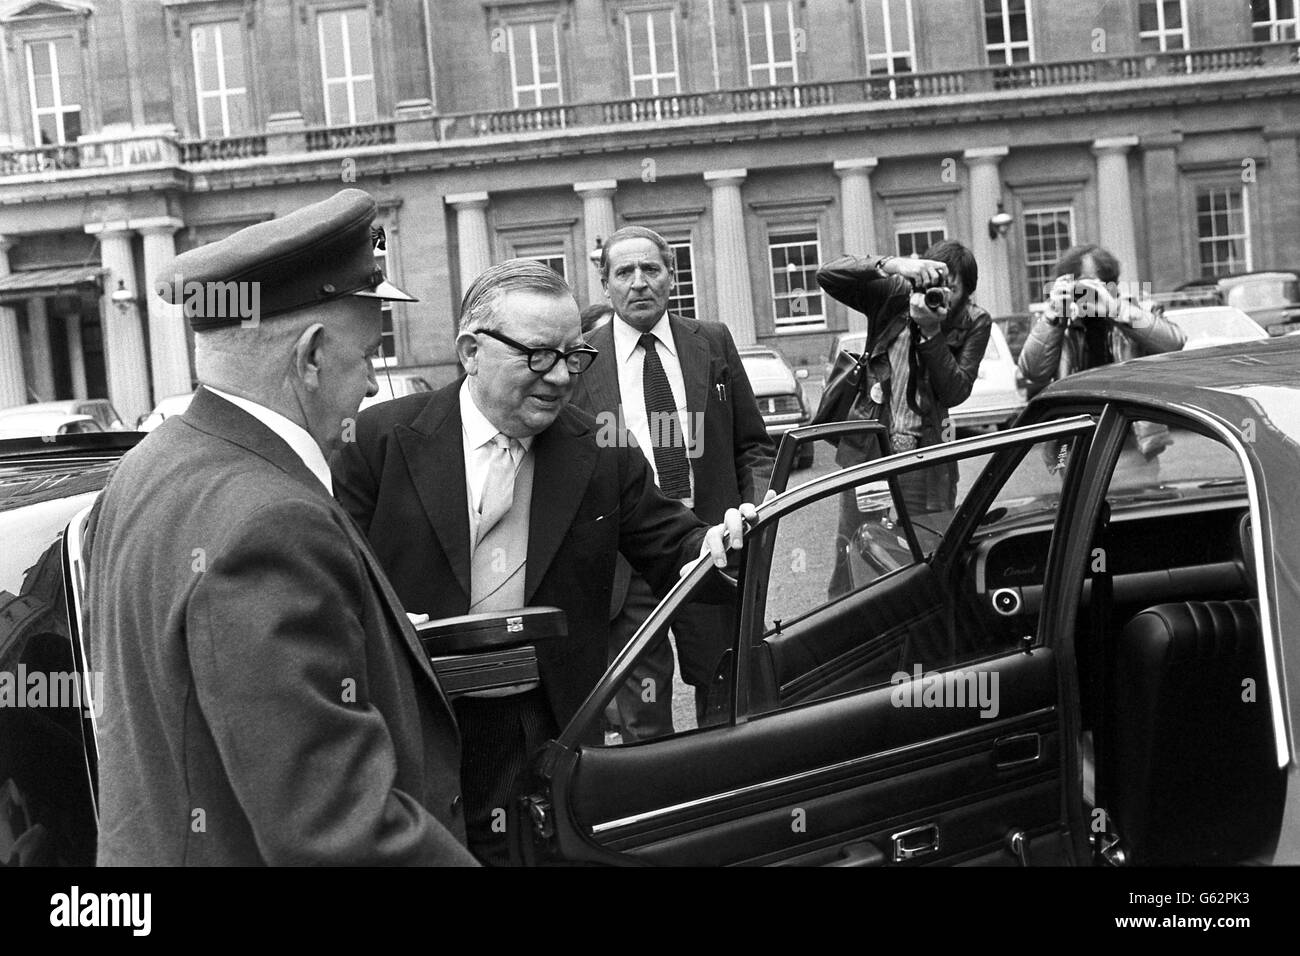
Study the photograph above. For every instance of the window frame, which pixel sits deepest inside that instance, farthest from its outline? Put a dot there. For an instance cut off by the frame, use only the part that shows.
(59, 109)
(1039, 209)
(791, 227)
(772, 65)
(1007, 47)
(1276, 25)
(1213, 186)
(349, 79)
(538, 88)
(677, 297)
(656, 77)
(223, 93)
(890, 54)
(1162, 32)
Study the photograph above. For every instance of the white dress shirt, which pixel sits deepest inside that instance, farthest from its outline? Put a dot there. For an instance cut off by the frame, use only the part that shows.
(476, 434)
(294, 435)
(630, 359)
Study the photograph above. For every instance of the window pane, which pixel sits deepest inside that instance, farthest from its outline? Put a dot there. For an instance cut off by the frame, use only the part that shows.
(337, 103)
(1173, 15)
(204, 45)
(359, 42)
(682, 299)
(1148, 16)
(331, 29)
(69, 56)
(364, 94)
(232, 49)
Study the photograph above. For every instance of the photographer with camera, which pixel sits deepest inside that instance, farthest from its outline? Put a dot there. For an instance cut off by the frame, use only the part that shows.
(925, 341)
(1089, 322)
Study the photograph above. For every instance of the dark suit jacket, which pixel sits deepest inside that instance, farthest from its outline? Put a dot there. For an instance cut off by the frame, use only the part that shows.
(403, 479)
(266, 699)
(735, 459)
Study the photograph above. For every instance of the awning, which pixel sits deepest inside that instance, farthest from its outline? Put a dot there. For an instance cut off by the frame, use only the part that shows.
(20, 285)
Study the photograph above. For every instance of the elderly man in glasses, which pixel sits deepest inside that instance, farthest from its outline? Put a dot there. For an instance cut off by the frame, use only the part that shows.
(494, 494)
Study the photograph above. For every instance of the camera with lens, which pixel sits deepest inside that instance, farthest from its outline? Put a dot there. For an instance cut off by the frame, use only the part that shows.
(937, 298)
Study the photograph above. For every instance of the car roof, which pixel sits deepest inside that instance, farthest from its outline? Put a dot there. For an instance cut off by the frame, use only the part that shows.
(1229, 381)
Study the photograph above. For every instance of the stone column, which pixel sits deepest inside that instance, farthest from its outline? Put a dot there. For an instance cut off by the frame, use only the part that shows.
(76, 354)
(1115, 221)
(994, 292)
(124, 352)
(859, 217)
(1166, 243)
(1280, 197)
(38, 346)
(168, 349)
(598, 223)
(13, 381)
(471, 234)
(735, 297)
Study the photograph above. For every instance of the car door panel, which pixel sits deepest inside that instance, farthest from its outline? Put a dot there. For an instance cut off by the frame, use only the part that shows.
(797, 782)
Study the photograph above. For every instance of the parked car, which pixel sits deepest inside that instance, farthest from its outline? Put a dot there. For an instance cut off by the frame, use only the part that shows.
(1209, 326)
(395, 385)
(782, 400)
(100, 409)
(1272, 299)
(998, 395)
(46, 423)
(170, 406)
(1084, 663)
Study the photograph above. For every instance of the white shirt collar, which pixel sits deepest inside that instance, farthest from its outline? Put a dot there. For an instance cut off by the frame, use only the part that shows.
(294, 435)
(478, 429)
(627, 338)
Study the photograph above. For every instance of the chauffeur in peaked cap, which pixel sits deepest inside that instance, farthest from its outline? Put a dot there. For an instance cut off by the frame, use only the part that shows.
(266, 699)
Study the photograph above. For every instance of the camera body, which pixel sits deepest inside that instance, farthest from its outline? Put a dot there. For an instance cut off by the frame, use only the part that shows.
(938, 297)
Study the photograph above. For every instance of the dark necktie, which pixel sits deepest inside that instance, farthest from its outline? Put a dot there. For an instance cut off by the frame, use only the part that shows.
(664, 425)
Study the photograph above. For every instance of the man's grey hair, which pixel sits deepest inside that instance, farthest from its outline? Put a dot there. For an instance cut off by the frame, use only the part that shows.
(237, 354)
(637, 232)
(480, 309)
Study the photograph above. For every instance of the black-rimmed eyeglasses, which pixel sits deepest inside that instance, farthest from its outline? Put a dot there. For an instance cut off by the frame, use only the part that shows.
(542, 360)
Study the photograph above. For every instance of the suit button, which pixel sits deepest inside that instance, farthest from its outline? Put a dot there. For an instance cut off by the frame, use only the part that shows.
(455, 804)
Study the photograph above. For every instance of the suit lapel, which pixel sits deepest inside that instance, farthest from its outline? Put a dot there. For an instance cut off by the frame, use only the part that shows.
(435, 460)
(562, 467)
(601, 380)
(693, 356)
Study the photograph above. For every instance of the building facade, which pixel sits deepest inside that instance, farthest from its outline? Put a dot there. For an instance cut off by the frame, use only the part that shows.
(762, 137)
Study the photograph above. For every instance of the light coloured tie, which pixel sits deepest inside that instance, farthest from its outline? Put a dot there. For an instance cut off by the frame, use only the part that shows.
(499, 486)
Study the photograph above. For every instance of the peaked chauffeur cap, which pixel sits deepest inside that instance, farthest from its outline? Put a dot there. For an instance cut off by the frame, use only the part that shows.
(315, 254)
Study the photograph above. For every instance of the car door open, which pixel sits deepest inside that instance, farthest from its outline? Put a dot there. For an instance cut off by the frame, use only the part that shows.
(882, 708)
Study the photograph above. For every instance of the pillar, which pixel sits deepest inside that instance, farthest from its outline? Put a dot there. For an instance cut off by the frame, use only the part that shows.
(858, 215)
(1280, 198)
(76, 354)
(169, 353)
(1167, 225)
(735, 297)
(598, 222)
(994, 292)
(472, 235)
(13, 381)
(1115, 221)
(38, 345)
(124, 352)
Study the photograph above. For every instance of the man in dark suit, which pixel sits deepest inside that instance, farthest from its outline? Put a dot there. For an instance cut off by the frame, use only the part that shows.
(493, 494)
(266, 700)
(679, 388)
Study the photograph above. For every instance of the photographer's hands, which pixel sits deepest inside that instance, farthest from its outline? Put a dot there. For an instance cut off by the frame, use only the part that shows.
(922, 273)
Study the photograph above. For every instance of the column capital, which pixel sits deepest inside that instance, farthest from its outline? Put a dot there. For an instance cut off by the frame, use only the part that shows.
(850, 167)
(725, 177)
(115, 227)
(157, 224)
(985, 154)
(478, 200)
(1114, 144)
(597, 187)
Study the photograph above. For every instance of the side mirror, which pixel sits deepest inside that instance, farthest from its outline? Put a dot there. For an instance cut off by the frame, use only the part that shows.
(801, 373)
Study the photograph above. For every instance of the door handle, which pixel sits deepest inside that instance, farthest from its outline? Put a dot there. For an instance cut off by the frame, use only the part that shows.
(918, 841)
(1015, 750)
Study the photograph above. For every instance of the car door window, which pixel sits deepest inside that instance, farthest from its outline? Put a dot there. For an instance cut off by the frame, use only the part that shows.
(854, 595)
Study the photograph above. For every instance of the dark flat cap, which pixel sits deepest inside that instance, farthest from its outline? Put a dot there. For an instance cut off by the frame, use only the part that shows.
(315, 254)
